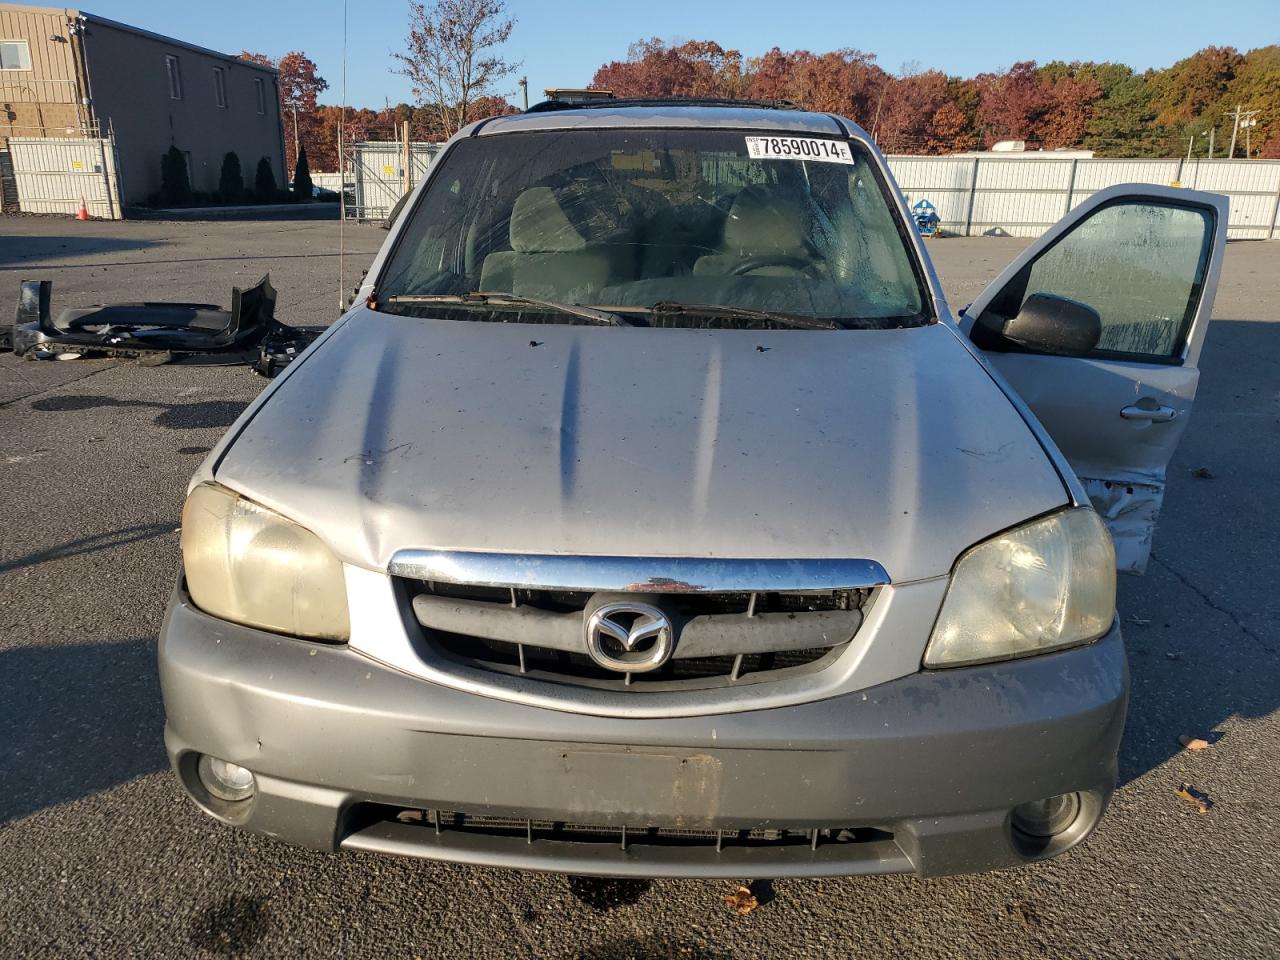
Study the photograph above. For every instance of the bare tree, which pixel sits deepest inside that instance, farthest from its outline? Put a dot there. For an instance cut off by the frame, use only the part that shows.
(452, 56)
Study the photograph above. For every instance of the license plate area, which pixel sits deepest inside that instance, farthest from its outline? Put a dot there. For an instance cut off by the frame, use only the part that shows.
(635, 785)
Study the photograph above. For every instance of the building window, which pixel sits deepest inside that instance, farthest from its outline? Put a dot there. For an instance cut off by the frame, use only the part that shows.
(174, 69)
(260, 88)
(220, 86)
(15, 55)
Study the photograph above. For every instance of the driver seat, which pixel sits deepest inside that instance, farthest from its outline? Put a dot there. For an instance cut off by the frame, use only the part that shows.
(550, 257)
(758, 226)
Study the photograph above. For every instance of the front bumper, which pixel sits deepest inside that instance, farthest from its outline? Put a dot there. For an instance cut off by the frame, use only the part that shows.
(920, 773)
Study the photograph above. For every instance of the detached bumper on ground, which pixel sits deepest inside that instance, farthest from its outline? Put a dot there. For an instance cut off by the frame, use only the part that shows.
(917, 775)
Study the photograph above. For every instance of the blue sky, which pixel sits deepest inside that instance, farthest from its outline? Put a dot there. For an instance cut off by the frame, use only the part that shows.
(562, 43)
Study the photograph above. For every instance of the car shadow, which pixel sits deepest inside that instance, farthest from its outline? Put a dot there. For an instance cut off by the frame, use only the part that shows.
(1202, 627)
(173, 416)
(76, 719)
(15, 251)
(90, 544)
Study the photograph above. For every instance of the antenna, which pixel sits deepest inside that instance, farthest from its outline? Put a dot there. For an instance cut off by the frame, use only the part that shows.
(342, 175)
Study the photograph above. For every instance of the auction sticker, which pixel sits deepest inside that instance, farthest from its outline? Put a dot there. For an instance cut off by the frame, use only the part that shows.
(799, 148)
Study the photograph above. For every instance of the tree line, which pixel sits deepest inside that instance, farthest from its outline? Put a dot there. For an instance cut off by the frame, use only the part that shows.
(1106, 107)
(453, 58)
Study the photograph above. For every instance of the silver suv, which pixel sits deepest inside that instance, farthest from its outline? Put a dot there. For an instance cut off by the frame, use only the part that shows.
(650, 514)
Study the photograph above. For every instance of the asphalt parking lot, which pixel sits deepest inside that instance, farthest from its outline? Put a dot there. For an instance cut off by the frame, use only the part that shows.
(102, 856)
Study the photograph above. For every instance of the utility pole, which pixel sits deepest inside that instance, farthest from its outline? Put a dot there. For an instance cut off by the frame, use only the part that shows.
(1212, 131)
(524, 89)
(1245, 119)
(1190, 143)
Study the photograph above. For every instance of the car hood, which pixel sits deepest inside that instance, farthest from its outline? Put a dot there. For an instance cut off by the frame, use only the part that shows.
(400, 432)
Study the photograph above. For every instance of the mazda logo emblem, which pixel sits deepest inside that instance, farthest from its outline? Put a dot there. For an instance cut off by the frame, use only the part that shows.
(629, 637)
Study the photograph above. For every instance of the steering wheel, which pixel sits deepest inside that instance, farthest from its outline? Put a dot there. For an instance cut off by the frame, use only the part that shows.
(760, 261)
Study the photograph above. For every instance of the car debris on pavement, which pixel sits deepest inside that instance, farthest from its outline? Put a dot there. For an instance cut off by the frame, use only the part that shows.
(158, 332)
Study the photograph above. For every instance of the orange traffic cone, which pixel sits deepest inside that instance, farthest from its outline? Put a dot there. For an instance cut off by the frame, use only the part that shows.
(83, 212)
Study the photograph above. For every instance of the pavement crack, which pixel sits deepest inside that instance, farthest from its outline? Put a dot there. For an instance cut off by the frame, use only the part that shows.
(1211, 603)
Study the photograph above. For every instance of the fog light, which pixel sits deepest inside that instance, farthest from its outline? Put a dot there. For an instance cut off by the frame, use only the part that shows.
(1048, 817)
(225, 780)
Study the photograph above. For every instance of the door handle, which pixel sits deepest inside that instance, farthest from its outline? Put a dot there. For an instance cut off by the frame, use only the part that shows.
(1160, 414)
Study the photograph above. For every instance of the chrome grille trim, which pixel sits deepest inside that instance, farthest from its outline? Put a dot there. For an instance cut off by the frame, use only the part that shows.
(636, 574)
(889, 645)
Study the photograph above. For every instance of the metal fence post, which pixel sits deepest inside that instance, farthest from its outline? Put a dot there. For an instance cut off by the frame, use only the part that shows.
(1275, 207)
(407, 159)
(106, 179)
(973, 191)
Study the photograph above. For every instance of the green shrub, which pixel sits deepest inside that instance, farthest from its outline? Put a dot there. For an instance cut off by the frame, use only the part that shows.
(302, 186)
(231, 180)
(175, 184)
(264, 182)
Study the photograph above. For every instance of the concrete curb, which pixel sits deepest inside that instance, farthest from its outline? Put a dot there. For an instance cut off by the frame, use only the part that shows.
(265, 211)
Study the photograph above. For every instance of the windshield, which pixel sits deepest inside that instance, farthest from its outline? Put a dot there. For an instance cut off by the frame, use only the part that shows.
(626, 220)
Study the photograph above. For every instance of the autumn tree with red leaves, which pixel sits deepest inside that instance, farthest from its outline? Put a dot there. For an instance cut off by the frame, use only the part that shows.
(300, 85)
(698, 68)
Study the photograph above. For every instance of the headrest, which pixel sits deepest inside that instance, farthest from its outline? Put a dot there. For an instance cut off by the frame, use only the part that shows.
(539, 224)
(758, 224)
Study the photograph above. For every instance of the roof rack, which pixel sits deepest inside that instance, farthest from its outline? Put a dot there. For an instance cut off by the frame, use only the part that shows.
(549, 105)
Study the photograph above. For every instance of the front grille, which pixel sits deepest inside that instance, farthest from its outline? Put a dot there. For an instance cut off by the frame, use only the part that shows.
(723, 639)
(532, 830)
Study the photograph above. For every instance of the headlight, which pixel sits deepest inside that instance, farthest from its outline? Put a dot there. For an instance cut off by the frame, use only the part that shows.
(248, 564)
(1039, 587)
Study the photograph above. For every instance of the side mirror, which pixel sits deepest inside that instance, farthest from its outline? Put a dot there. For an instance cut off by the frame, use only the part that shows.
(1057, 325)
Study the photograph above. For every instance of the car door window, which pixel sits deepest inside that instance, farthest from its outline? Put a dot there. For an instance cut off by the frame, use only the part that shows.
(1140, 265)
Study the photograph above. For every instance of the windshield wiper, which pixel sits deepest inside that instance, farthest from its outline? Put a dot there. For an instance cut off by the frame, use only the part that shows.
(482, 299)
(800, 321)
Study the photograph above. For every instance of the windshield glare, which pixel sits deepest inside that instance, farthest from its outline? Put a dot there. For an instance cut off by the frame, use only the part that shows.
(626, 219)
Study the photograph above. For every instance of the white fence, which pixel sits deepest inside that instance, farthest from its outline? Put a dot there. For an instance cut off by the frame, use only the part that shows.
(1023, 196)
(328, 181)
(381, 178)
(53, 174)
(975, 196)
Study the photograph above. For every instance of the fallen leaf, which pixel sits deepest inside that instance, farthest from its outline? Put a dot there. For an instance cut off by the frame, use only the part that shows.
(1193, 743)
(1199, 800)
(742, 901)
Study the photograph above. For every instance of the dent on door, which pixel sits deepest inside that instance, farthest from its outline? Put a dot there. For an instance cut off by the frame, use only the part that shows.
(1142, 263)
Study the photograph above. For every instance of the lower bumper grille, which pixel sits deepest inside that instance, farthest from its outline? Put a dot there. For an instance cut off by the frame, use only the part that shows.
(623, 837)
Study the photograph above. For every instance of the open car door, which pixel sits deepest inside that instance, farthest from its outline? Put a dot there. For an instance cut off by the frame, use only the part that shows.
(1098, 325)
